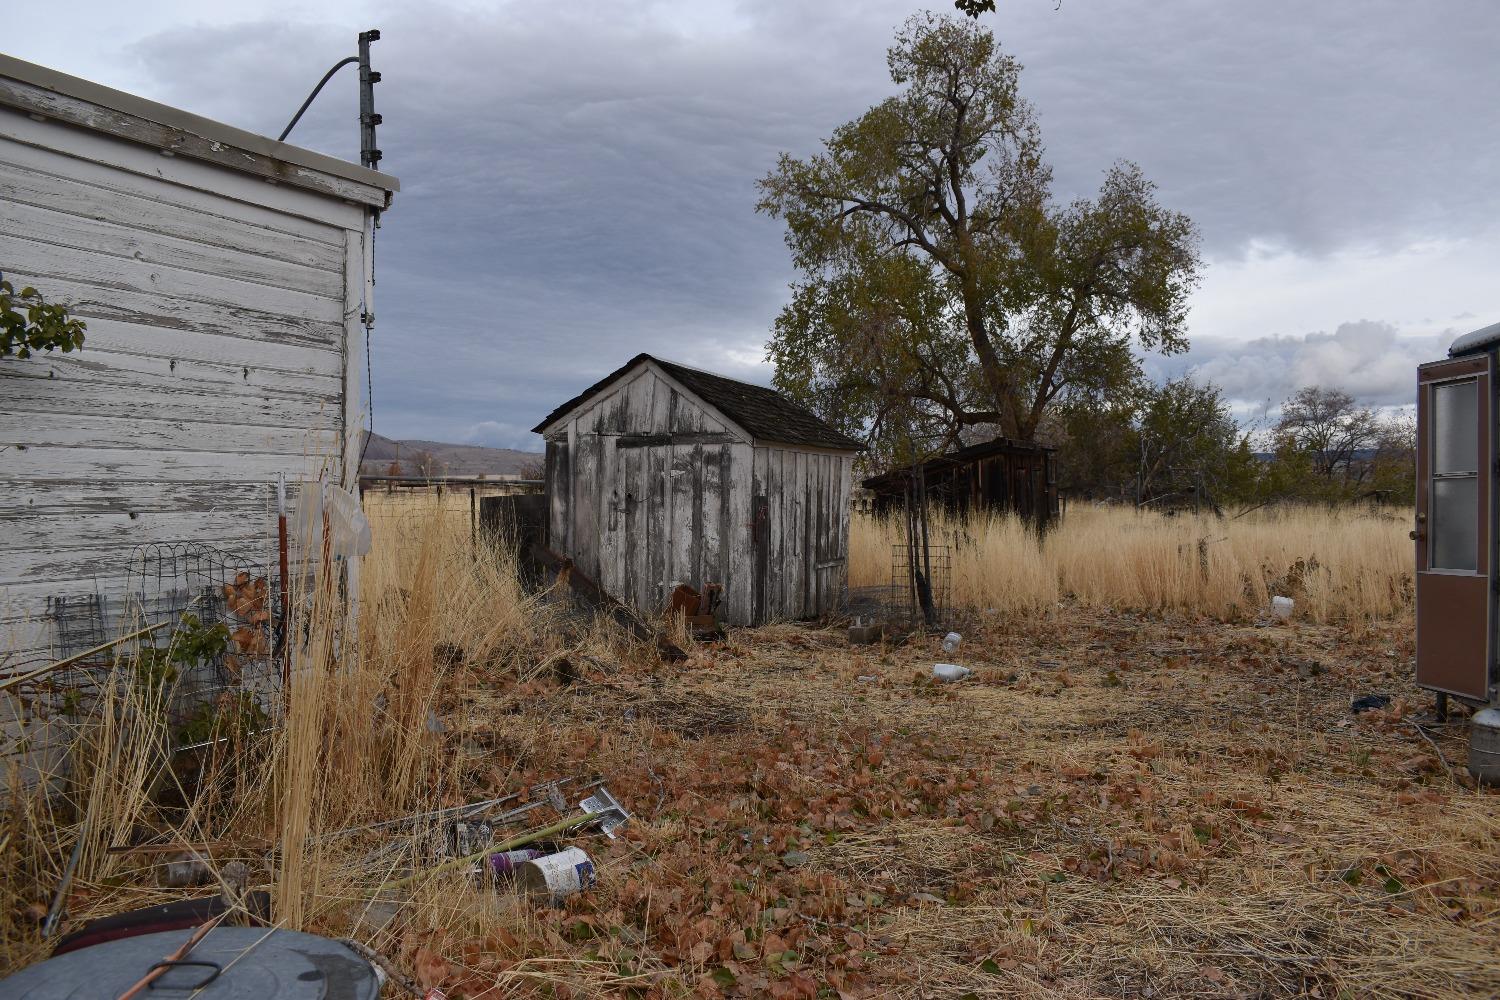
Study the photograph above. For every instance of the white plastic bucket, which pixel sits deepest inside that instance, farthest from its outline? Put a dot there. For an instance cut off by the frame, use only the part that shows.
(950, 671)
(559, 875)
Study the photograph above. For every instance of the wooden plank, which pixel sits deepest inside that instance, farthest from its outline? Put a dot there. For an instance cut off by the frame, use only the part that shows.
(69, 501)
(658, 539)
(146, 190)
(661, 402)
(109, 368)
(739, 580)
(50, 566)
(147, 399)
(698, 523)
(265, 360)
(712, 511)
(34, 100)
(114, 535)
(32, 430)
(559, 496)
(86, 234)
(223, 287)
(144, 308)
(134, 465)
(611, 500)
(358, 288)
(58, 204)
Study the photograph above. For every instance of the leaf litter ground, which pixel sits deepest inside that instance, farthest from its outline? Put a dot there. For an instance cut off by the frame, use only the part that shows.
(1112, 806)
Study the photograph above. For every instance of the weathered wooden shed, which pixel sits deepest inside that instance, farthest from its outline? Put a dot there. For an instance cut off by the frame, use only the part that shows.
(1017, 477)
(225, 279)
(660, 474)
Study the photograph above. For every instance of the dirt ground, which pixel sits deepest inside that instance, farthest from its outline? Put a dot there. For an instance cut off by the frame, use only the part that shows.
(1111, 806)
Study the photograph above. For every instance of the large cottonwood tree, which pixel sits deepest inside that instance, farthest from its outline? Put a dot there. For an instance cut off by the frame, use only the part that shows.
(941, 288)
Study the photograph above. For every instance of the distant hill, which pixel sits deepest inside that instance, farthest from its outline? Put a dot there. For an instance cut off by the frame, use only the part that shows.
(435, 458)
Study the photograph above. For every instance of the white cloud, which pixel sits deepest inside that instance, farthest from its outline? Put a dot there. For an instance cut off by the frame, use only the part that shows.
(496, 434)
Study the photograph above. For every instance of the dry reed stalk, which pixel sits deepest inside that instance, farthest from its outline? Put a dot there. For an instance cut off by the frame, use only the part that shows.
(1337, 565)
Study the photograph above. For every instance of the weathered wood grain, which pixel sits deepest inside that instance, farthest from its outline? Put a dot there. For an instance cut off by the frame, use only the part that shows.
(128, 174)
(267, 362)
(80, 233)
(104, 367)
(145, 466)
(30, 254)
(89, 301)
(143, 399)
(34, 100)
(65, 502)
(33, 430)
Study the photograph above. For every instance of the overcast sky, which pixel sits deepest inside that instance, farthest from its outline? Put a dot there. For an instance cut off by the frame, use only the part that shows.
(578, 178)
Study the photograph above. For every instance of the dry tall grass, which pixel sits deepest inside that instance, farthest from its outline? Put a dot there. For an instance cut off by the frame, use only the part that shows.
(1336, 564)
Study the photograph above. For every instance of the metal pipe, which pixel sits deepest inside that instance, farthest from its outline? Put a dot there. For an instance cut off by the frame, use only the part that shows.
(11, 682)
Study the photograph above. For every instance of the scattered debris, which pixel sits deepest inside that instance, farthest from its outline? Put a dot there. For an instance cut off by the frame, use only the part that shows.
(559, 875)
(1369, 703)
(611, 815)
(861, 634)
(505, 863)
(951, 642)
(1282, 607)
(950, 671)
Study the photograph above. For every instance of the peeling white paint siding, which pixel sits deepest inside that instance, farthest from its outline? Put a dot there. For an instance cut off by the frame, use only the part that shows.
(641, 516)
(225, 346)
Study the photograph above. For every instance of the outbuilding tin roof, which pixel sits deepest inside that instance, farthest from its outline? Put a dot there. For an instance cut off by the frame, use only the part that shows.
(1476, 341)
(764, 414)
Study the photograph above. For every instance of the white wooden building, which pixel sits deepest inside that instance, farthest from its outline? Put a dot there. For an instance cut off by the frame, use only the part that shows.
(661, 474)
(224, 278)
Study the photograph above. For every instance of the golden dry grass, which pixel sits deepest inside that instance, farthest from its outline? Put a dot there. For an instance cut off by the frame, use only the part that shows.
(1117, 804)
(1336, 564)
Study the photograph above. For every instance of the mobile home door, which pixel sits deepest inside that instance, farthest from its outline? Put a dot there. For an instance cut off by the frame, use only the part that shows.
(1455, 469)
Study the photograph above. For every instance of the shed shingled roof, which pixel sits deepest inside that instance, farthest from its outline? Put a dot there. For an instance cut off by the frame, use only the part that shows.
(764, 414)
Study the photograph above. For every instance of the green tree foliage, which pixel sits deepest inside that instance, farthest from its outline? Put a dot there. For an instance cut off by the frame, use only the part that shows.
(1172, 444)
(43, 326)
(974, 8)
(1329, 448)
(942, 289)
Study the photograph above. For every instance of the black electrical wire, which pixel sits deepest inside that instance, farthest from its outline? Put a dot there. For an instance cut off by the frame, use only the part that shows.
(326, 77)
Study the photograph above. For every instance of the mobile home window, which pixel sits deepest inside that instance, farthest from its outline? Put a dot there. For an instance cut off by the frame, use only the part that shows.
(1454, 528)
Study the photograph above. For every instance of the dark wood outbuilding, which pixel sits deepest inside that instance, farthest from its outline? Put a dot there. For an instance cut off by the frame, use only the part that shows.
(999, 475)
(660, 474)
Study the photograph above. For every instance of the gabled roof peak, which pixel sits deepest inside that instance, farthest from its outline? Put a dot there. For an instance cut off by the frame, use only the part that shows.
(763, 413)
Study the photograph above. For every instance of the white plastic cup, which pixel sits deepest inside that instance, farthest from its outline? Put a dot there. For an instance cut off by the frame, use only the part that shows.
(559, 875)
(950, 671)
(951, 641)
(1282, 607)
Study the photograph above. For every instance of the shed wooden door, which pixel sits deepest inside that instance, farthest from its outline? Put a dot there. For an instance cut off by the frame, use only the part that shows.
(1455, 468)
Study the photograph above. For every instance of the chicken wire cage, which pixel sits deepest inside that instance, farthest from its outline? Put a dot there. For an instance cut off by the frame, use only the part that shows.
(920, 591)
(213, 650)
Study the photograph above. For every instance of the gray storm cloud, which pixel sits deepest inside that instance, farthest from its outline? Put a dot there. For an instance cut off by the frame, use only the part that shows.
(578, 186)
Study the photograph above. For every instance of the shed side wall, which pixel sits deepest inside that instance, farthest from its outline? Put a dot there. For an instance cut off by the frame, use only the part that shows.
(215, 359)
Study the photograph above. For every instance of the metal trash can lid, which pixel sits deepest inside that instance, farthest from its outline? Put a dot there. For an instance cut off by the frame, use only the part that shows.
(284, 965)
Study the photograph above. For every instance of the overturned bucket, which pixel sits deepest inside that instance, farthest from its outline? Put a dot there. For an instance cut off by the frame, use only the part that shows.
(557, 876)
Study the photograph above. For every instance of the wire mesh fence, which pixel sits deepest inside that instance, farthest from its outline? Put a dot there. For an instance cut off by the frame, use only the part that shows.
(200, 624)
(920, 593)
